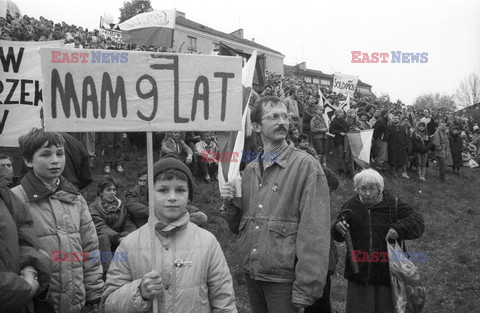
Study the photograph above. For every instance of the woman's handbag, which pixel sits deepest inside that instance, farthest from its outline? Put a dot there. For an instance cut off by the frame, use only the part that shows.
(407, 288)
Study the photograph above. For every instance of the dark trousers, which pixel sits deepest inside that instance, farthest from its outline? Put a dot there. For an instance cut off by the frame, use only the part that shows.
(369, 299)
(207, 168)
(106, 246)
(113, 149)
(442, 167)
(268, 297)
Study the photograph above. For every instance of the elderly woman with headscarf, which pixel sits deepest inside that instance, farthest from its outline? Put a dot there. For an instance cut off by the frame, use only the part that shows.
(373, 216)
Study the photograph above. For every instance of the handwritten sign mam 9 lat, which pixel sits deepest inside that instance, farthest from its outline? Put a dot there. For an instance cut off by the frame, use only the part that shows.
(118, 91)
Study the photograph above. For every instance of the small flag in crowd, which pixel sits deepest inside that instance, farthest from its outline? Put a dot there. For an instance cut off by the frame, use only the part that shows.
(360, 145)
(346, 105)
(150, 29)
(323, 102)
(234, 141)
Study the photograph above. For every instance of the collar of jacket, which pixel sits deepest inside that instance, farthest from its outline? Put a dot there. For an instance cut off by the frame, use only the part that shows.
(165, 229)
(282, 158)
(36, 189)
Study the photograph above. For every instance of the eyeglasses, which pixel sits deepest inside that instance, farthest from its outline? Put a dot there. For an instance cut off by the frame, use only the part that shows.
(364, 189)
(275, 117)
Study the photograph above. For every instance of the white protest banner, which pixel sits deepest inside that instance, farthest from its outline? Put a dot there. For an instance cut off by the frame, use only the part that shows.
(115, 35)
(344, 84)
(20, 88)
(121, 91)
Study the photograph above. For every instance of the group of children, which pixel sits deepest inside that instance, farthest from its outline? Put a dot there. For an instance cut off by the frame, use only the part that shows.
(189, 273)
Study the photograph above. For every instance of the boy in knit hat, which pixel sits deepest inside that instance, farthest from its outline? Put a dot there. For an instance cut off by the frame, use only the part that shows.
(190, 273)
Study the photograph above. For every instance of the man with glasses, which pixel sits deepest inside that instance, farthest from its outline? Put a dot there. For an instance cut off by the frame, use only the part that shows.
(282, 218)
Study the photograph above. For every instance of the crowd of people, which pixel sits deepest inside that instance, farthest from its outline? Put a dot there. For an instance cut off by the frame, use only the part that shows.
(405, 138)
(63, 254)
(18, 28)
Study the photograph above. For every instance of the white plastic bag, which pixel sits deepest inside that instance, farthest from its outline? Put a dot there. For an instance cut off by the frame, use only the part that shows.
(407, 288)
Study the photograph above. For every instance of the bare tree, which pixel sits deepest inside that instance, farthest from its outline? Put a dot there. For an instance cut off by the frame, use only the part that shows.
(436, 101)
(468, 93)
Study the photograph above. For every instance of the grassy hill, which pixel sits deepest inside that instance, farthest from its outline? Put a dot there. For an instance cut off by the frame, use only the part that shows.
(451, 211)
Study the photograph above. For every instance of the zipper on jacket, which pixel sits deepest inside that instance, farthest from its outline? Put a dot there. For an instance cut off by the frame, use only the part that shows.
(370, 243)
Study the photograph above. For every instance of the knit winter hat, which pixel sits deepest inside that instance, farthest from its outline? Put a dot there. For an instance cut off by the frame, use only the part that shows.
(171, 161)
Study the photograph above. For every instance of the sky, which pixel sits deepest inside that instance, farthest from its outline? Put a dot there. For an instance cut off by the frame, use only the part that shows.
(324, 33)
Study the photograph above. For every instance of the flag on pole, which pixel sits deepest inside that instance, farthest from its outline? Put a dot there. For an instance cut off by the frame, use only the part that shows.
(231, 143)
(360, 145)
(326, 105)
(150, 28)
(346, 104)
(320, 101)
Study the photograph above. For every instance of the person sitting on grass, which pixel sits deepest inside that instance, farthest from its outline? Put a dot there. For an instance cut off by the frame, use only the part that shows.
(173, 144)
(62, 223)
(137, 205)
(111, 217)
(207, 156)
(190, 273)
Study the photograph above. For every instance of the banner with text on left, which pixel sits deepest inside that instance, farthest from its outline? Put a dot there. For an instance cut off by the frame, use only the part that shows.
(20, 88)
(118, 91)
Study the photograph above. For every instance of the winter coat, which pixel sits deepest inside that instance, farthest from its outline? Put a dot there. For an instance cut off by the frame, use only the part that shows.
(195, 274)
(380, 128)
(318, 127)
(421, 143)
(456, 147)
(77, 165)
(63, 226)
(170, 146)
(369, 226)
(114, 224)
(18, 248)
(308, 114)
(336, 127)
(137, 205)
(398, 143)
(442, 146)
(275, 220)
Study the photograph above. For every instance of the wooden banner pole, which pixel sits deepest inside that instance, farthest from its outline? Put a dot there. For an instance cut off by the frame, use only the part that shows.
(151, 208)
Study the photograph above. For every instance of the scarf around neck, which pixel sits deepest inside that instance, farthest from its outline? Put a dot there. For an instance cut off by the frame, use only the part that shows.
(108, 206)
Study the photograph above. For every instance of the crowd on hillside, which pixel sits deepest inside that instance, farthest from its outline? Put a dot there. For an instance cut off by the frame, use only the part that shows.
(404, 137)
(27, 28)
(49, 197)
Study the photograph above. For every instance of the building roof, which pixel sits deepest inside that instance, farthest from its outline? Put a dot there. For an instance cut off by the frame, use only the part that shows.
(202, 28)
(363, 84)
(319, 74)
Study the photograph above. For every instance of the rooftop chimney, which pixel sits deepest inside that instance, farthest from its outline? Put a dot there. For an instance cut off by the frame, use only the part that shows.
(180, 13)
